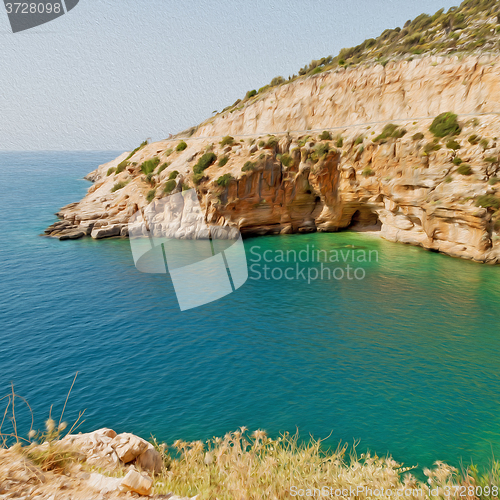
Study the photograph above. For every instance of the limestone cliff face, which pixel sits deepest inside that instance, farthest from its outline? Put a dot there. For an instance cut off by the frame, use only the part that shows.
(402, 90)
(410, 188)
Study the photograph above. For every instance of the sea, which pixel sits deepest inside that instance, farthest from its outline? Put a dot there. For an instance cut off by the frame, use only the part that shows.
(395, 350)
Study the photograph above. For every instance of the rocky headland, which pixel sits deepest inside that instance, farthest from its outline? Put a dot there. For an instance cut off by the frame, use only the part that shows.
(409, 147)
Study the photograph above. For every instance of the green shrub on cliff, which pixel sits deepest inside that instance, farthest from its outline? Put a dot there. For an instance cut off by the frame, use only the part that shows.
(151, 195)
(150, 165)
(163, 167)
(121, 167)
(488, 201)
(181, 146)
(204, 162)
(277, 80)
(320, 150)
(367, 172)
(272, 142)
(474, 139)
(484, 143)
(390, 131)
(248, 166)
(251, 93)
(418, 136)
(227, 141)
(119, 185)
(325, 136)
(169, 186)
(224, 180)
(453, 145)
(464, 169)
(173, 175)
(445, 124)
(197, 178)
(432, 146)
(111, 170)
(286, 159)
(223, 160)
(457, 160)
(339, 142)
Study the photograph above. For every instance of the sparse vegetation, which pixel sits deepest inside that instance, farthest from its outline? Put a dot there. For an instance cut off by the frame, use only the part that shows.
(325, 136)
(484, 143)
(121, 167)
(204, 162)
(461, 29)
(272, 142)
(488, 201)
(418, 136)
(320, 151)
(150, 165)
(367, 172)
(249, 166)
(445, 124)
(119, 185)
(168, 152)
(163, 167)
(493, 181)
(111, 171)
(169, 186)
(474, 139)
(453, 145)
(224, 180)
(432, 146)
(286, 160)
(181, 146)
(339, 141)
(359, 140)
(464, 169)
(197, 178)
(151, 195)
(390, 131)
(227, 141)
(223, 160)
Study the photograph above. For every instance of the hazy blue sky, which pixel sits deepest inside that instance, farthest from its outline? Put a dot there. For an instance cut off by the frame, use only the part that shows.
(111, 73)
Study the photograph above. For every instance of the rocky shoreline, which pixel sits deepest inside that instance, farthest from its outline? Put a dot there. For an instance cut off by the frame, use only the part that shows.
(418, 188)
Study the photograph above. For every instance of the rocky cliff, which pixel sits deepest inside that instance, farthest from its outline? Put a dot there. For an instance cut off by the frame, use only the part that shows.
(345, 148)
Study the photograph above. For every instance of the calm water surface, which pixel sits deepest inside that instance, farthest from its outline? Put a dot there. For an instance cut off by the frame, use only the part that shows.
(405, 360)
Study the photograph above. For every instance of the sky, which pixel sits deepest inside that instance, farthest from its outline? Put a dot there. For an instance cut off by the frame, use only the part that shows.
(109, 74)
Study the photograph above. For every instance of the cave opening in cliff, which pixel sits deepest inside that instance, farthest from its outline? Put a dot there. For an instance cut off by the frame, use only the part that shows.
(364, 219)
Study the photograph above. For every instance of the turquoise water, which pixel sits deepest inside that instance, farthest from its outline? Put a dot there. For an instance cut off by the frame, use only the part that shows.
(404, 360)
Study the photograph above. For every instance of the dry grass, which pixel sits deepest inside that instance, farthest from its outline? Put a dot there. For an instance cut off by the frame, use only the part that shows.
(244, 466)
(41, 447)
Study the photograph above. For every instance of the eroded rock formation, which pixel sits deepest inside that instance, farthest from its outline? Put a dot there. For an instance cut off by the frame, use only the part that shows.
(412, 187)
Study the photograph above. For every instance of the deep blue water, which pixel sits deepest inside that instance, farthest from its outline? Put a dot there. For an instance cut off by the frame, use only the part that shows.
(405, 360)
